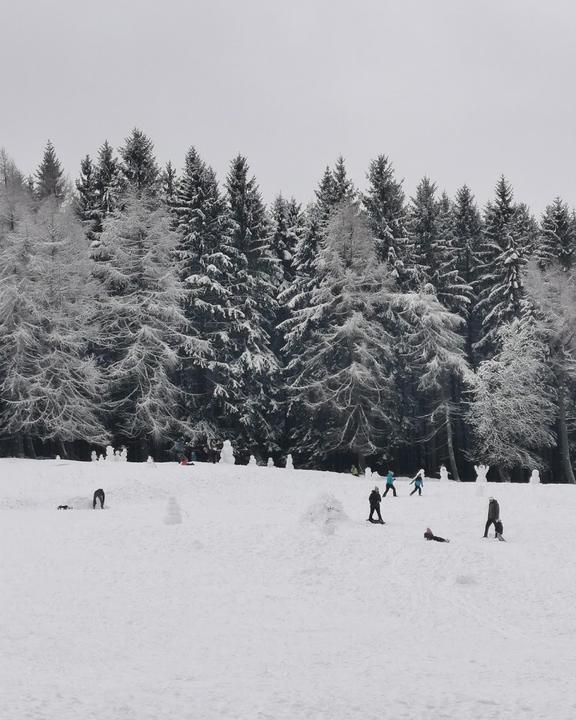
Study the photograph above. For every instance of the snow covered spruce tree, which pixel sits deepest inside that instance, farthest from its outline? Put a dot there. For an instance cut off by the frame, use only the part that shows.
(49, 176)
(556, 245)
(343, 383)
(144, 322)
(207, 264)
(384, 203)
(98, 192)
(466, 238)
(139, 166)
(499, 285)
(50, 385)
(87, 200)
(433, 349)
(512, 410)
(168, 184)
(256, 368)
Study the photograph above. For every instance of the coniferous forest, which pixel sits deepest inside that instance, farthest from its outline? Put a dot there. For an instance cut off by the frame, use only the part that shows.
(152, 308)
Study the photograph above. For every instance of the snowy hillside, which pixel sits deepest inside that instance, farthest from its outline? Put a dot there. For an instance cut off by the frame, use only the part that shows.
(253, 608)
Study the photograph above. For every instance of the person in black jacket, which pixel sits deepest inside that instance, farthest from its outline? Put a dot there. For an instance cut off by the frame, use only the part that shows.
(98, 495)
(493, 515)
(374, 500)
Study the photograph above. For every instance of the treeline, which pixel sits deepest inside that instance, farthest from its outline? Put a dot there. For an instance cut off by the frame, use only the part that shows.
(142, 307)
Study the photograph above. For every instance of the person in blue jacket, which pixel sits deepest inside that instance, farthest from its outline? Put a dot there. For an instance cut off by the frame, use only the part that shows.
(418, 482)
(390, 483)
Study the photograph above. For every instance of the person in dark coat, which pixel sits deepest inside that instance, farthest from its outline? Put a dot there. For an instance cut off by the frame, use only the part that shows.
(374, 500)
(98, 495)
(493, 515)
(429, 535)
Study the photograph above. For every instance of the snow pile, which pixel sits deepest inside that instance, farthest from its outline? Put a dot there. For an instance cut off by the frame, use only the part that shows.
(173, 514)
(326, 513)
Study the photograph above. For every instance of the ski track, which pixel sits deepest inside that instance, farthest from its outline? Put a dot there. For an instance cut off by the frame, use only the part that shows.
(246, 610)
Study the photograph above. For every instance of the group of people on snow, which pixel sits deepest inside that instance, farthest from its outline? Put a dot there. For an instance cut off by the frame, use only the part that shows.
(375, 498)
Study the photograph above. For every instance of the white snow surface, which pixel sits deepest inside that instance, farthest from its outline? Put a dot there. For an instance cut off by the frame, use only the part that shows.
(249, 610)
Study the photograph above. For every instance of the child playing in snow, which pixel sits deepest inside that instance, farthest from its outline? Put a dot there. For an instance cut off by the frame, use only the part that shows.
(390, 483)
(429, 535)
(374, 501)
(499, 529)
(418, 482)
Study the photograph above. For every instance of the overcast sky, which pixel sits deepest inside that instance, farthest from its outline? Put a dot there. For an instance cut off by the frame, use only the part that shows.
(459, 90)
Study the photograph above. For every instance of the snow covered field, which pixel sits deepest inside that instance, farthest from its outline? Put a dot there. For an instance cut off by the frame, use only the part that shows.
(249, 609)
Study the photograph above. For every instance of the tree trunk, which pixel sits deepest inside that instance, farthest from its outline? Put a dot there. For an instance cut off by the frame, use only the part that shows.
(563, 436)
(63, 451)
(30, 449)
(361, 462)
(451, 456)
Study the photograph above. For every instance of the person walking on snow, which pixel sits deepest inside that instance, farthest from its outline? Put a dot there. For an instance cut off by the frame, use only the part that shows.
(374, 501)
(418, 482)
(429, 535)
(493, 515)
(390, 483)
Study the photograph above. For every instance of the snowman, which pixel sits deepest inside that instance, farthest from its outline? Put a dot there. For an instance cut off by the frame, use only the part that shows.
(535, 477)
(481, 472)
(443, 472)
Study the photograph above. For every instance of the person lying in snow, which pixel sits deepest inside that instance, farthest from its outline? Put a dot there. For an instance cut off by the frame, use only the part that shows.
(429, 535)
(374, 500)
(184, 461)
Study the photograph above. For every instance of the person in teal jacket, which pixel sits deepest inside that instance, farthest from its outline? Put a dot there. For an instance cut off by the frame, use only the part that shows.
(418, 482)
(390, 483)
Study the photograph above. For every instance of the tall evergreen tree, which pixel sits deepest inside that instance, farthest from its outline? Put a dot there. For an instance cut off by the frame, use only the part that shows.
(145, 324)
(49, 176)
(50, 385)
(384, 202)
(557, 242)
(433, 348)
(138, 162)
(499, 285)
(109, 181)
(342, 381)
(254, 294)
(207, 264)
(423, 216)
(87, 200)
(467, 227)
(168, 183)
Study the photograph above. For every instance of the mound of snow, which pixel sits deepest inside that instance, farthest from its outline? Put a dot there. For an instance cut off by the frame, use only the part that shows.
(326, 513)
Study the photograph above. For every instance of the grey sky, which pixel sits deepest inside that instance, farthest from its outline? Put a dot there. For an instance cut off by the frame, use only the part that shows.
(459, 90)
